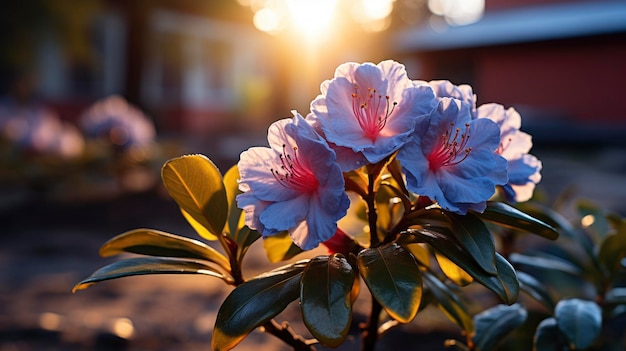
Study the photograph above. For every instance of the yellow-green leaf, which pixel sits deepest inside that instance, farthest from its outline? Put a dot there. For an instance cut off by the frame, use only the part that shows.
(195, 183)
(457, 275)
(157, 243)
(231, 186)
(148, 265)
(280, 247)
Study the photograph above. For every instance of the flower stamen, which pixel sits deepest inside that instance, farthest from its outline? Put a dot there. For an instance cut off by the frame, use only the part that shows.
(452, 148)
(372, 110)
(292, 174)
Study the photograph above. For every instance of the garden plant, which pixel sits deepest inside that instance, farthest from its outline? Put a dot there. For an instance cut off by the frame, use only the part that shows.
(411, 186)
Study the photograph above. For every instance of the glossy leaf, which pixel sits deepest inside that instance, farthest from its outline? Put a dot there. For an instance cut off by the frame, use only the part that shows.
(457, 275)
(449, 303)
(547, 336)
(505, 283)
(508, 216)
(476, 239)
(493, 324)
(255, 302)
(560, 223)
(420, 251)
(148, 265)
(535, 289)
(280, 247)
(325, 298)
(545, 263)
(231, 186)
(579, 320)
(198, 227)
(157, 243)
(394, 279)
(244, 239)
(195, 183)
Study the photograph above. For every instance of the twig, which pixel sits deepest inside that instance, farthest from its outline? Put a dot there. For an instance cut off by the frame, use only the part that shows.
(286, 334)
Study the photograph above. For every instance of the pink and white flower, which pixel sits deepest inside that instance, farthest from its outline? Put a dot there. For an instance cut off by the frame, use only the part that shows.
(451, 158)
(370, 110)
(463, 92)
(524, 168)
(294, 185)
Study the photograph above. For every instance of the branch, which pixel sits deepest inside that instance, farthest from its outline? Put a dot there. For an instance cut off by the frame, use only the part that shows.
(286, 334)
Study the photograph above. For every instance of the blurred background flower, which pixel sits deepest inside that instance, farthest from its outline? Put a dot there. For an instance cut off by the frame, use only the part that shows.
(209, 77)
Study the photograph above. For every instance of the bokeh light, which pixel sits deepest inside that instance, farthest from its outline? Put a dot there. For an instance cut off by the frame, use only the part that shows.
(458, 12)
(315, 19)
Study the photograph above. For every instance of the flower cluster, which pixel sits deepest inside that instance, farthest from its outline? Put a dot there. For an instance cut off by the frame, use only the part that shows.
(121, 123)
(452, 153)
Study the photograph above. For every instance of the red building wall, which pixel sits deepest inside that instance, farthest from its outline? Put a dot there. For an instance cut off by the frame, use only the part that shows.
(582, 79)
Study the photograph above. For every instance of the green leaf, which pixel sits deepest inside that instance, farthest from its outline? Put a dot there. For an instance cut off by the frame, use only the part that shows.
(231, 186)
(449, 303)
(505, 283)
(495, 323)
(195, 183)
(547, 336)
(244, 239)
(325, 298)
(148, 265)
(280, 247)
(476, 239)
(254, 303)
(545, 263)
(394, 279)
(612, 250)
(535, 289)
(157, 243)
(199, 228)
(579, 320)
(560, 223)
(452, 271)
(505, 215)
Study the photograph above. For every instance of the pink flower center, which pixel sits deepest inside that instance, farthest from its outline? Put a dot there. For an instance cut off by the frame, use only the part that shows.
(371, 111)
(452, 148)
(293, 174)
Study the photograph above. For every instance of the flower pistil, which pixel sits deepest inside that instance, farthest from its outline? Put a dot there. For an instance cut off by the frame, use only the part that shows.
(451, 151)
(370, 111)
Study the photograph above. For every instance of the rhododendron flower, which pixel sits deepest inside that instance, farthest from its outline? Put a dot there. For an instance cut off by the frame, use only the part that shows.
(370, 109)
(451, 158)
(122, 123)
(294, 185)
(463, 92)
(524, 169)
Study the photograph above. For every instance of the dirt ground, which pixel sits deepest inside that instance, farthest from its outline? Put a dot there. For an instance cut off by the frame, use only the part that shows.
(47, 245)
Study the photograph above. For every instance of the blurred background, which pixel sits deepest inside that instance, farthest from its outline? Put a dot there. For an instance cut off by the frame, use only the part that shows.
(96, 94)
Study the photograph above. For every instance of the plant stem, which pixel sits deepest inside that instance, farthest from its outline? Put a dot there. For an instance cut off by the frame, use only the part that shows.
(369, 334)
(372, 216)
(286, 334)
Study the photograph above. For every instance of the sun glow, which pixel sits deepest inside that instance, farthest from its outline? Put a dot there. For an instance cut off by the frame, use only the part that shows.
(312, 18)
